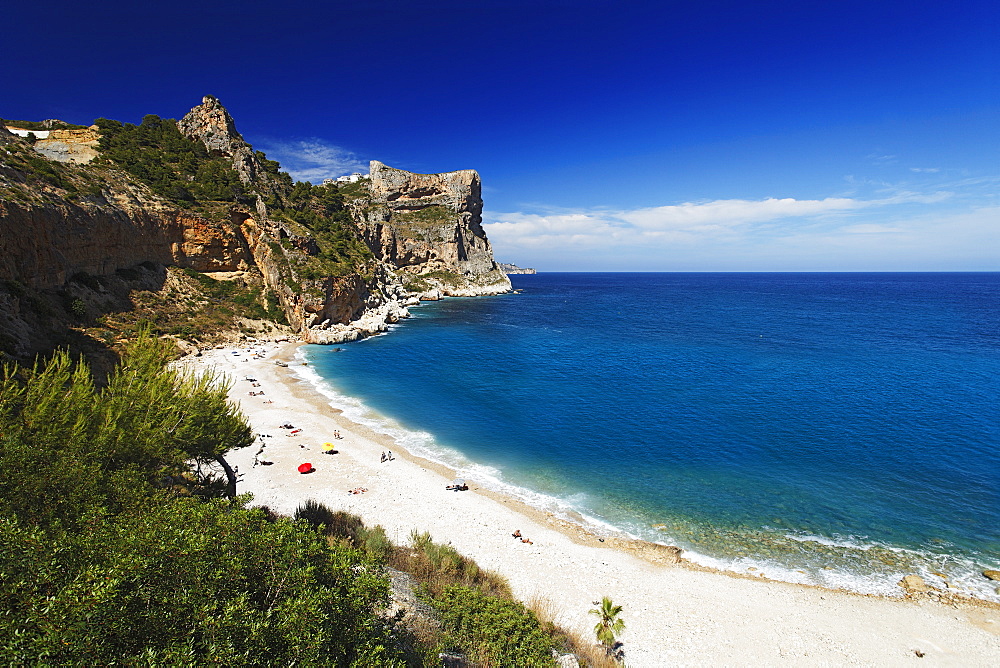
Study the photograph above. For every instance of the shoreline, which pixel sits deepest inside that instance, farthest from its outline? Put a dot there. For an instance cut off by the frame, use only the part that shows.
(681, 612)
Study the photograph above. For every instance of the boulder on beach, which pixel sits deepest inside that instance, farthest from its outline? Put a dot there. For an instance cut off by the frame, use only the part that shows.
(991, 574)
(914, 584)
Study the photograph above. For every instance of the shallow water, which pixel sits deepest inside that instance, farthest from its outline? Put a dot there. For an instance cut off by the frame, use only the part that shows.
(837, 429)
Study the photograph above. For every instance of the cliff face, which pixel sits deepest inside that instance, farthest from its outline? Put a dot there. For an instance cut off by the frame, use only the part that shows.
(211, 124)
(430, 227)
(424, 232)
(77, 145)
(514, 269)
(45, 238)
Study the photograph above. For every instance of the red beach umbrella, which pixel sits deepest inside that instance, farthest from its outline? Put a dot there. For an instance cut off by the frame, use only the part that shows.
(305, 468)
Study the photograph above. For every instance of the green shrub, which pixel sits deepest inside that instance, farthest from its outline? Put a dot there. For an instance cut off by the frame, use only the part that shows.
(175, 167)
(375, 543)
(79, 309)
(438, 566)
(37, 125)
(333, 523)
(493, 631)
(181, 582)
(107, 559)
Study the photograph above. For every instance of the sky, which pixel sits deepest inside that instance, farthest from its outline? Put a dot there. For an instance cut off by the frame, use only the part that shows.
(610, 136)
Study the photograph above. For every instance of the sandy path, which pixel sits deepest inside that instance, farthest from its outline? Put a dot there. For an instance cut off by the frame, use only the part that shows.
(674, 615)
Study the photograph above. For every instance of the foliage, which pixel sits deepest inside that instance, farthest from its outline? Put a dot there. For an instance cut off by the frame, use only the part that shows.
(338, 524)
(360, 189)
(175, 167)
(195, 305)
(185, 582)
(322, 211)
(610, 625)
(235, 292)
(344, 527)
(493, 631)
(104, 559)
(69, 446)
(438, 566)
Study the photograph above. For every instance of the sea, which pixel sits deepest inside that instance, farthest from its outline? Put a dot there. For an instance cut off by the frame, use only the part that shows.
(835, 429)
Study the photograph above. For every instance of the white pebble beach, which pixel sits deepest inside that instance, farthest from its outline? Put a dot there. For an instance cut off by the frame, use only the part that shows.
(675, 614)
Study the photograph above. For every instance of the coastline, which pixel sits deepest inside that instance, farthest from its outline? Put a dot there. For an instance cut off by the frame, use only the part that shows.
(678, 613)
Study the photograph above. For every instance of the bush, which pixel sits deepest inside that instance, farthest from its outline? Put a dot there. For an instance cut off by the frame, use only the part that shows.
(185, 582)
(333, 523)
(79, 309)
(175, 167)
(493, 631)
(375, 543)
(107, 559)
(438, 566)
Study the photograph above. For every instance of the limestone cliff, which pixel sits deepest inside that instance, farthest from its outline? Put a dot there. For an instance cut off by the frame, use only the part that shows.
(48, 232)
(413, 235)
(429, 226)
(75, 145)
(514, 269)
(211, 124)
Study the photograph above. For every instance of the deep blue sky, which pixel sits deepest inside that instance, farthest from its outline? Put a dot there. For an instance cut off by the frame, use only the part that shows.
(609, 135)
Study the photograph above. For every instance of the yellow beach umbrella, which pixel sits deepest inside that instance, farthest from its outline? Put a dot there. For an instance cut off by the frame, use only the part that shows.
(329, 446)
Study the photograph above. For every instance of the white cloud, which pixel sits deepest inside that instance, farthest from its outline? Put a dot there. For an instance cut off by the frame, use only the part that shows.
(901, 230)
(677, 223)
(313, 159)
(881, 158)
(925, 170)
(870, 228)
(731, 212)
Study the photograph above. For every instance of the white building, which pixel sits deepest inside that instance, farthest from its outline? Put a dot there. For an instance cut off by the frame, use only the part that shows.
(353, 178)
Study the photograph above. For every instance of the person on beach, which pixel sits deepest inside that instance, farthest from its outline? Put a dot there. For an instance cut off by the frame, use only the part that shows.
(517, 533)
(383, 457)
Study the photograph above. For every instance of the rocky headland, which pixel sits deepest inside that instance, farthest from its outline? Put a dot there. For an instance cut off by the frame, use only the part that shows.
(514, 269)
(79, 219)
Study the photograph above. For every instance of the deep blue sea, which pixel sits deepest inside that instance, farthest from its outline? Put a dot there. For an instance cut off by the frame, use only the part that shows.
(835, 429)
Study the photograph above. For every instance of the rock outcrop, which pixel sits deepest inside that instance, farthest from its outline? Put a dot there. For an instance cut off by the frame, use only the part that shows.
(46, 240)
(913, 585)
(73, 145)
(424, 232)
(430, 227)
(211, 124)
(514, 269)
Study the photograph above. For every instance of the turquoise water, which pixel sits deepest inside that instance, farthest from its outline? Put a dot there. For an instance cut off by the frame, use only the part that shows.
(836, 429)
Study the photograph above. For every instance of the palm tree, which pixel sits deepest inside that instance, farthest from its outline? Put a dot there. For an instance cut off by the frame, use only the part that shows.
(610, 625)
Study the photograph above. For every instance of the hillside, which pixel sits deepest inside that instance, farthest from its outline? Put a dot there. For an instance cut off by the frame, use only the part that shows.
(120, 222)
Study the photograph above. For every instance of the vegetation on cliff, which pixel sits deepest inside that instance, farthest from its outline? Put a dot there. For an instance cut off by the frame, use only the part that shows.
(40, 125)
(174, 167)
(324, 217)
(184, 171)
(26, 176)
